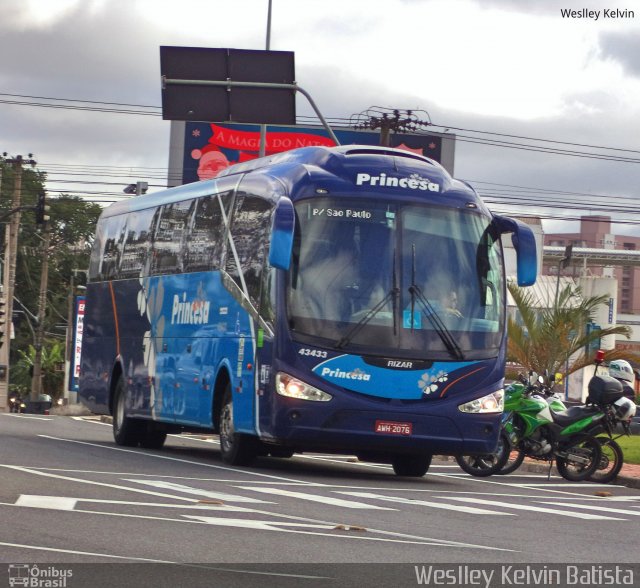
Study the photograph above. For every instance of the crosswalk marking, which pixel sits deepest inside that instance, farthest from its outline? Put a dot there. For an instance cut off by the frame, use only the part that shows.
(51, 502)
(532, 508)
(225, 497)
(594, 507)
(316, 498)
(442, 505)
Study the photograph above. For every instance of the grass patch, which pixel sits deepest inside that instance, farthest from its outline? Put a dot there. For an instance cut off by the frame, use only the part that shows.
(630, 448)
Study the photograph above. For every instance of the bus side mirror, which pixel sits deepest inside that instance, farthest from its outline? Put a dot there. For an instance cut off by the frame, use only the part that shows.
(524, 243)
(282, 234)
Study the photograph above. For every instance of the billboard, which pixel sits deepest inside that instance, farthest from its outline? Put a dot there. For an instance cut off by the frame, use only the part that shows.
(199, 151)
(183, 98)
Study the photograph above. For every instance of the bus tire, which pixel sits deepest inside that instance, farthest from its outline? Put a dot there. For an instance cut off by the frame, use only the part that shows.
(152, 438)
(126, 431)
(414, 466)
(235, 448)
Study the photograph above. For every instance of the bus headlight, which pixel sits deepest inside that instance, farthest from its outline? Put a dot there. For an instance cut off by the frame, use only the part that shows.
(287, 385)
(491, 403)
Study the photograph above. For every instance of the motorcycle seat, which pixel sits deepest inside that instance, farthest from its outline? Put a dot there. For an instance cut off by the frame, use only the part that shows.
(572, 414)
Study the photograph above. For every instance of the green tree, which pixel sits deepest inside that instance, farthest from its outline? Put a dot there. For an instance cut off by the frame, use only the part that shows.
(555, 340)
(52, 360)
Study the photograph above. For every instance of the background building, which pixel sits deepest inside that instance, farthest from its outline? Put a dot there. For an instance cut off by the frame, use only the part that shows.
(595, 233)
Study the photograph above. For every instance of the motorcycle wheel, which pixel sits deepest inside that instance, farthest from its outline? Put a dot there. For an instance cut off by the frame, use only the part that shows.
(575, 470)
(489, 464)
(610, 462)
(514, 461)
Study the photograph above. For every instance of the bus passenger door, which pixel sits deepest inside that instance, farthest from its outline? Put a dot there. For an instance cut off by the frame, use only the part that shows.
(191, 381)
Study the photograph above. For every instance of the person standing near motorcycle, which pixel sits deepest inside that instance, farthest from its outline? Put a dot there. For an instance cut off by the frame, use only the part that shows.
(622, 371)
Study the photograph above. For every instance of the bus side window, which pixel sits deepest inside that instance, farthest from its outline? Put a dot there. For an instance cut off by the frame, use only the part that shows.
(249, 242)
(170, 238)
(110, 247)
(205, 242)
(137, 243)
(95, 261)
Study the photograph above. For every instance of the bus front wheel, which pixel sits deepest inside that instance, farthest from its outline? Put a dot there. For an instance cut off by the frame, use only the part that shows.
(411, 465)
(235, 448)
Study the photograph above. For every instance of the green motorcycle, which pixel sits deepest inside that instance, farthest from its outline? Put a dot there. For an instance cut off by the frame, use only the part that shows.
(605, 396)
(535, 430)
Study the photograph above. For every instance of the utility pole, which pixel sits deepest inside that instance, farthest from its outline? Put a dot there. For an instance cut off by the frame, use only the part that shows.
(9, 269)
(36, 380)
(388, 120)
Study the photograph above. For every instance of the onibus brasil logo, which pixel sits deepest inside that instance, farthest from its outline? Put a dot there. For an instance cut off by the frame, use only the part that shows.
(34, 576)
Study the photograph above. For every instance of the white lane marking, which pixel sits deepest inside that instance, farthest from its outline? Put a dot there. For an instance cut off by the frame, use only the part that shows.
(384, 536)
(92, 421)
(532, 508)
(146, 559)
(593, 507)
(442, 505)
(356, 463)
(168, 458)
(198, 491)
(75, 552)
(24, 416)
(94, 483)
(198, 479)
(387, 537)
(561, 485)
(255, 524)
(50, 502)
(316, 498)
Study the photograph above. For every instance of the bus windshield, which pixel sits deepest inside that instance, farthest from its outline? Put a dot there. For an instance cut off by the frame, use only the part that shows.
(399, 279)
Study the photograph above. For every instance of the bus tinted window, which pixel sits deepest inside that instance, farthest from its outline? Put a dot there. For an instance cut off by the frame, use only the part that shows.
(137, 244)
(170, 236)
(206, 239)
(249, 242)
(110, 247)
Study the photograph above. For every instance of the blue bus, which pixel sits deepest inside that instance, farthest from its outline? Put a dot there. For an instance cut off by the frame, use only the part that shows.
(346, 299)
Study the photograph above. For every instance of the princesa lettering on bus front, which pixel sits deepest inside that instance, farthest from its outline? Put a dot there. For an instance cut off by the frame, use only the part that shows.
(413, 182)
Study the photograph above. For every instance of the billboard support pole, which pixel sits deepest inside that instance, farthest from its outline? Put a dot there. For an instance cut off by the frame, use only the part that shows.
(263, 128)
(230, 84)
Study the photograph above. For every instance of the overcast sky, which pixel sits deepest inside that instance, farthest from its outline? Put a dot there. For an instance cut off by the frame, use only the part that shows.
(498, 66)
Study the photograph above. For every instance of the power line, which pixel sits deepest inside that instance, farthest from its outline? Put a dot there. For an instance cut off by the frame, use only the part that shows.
(128, 108)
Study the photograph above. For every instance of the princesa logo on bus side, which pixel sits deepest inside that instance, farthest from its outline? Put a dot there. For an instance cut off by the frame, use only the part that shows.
(413, 182)
(189, 312)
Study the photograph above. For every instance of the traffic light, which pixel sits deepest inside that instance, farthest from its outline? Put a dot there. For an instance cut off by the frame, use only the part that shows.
(42, 209)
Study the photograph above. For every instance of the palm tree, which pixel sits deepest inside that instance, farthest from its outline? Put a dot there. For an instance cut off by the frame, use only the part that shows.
(52, 376)
(552, 340)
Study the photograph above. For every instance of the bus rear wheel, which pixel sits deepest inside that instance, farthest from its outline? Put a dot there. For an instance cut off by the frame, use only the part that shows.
(414, 466)
(235, 448)
(126, 431)
(152, 438)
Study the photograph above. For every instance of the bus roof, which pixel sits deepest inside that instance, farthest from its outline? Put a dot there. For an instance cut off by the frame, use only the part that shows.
(336, 167)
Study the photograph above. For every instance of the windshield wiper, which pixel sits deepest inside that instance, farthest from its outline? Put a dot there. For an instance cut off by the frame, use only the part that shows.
(434, 318)
(430, 312)
(393, 295)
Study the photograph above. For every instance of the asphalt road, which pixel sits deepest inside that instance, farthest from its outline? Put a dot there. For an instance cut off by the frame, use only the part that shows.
(69, 495)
